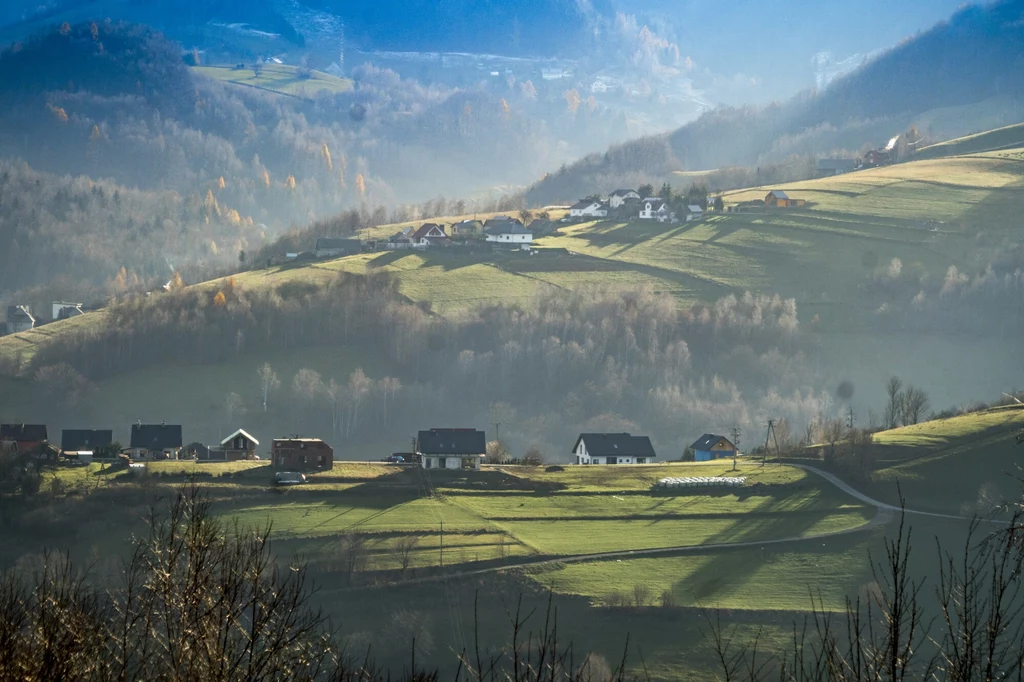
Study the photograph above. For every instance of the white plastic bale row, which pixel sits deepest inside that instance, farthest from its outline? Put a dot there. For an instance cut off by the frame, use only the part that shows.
(702, 482)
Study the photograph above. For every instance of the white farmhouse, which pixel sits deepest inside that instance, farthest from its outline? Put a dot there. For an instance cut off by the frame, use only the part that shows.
(451, 448)
(653, 208)
(613, 448)
(621, 196)
(588, 209)
(512, 233)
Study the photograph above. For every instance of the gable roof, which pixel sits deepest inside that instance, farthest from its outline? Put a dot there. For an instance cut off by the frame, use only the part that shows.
(655, 202)
(74, 440)
(19, 312)
(431, 230)
(623, 192)
(621, 444)
(694, 208)
(156, 436)
(239, 432)
(23, 432)
(778, 194)
(582, 204)
(451, 442)
(708, 441)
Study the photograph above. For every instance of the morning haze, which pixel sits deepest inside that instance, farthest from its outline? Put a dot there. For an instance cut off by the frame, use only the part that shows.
(511, 341)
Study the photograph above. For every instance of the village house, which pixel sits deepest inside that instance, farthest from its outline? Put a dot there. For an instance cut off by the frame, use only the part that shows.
(613, 448)
(329, 247)
(709, 447)
(653, 208)
(501, 221)
(779, 199)
(155, 441)
(401, 239)
(301, 454)
(513, 235)
(694, 212)
(588, 208)
(239, 446)
(19, 319)
(86, 444)
(451, 448)
(429, 234)
(23, 437)
(622, 196)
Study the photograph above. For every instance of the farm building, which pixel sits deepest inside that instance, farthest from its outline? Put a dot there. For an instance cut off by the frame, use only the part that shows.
(328, 247)
(91, 442)
(301, 454)
(694, 212)
(24, 437)
(613, 448)
(709, 447)
(451, 448)
(622, 196)
(779, 199)
(155, 441)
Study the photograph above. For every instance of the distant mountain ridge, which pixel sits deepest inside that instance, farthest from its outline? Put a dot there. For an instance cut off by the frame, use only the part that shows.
(977, 55)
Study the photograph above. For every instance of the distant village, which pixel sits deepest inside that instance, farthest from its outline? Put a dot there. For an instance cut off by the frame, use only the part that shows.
(294, 456)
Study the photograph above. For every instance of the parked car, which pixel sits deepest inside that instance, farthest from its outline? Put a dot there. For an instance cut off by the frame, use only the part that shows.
(289, 478)
(395, 459)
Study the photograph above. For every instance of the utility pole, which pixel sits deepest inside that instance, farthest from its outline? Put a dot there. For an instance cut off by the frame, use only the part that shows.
(736, 442)
(850, 417)
(497, 431)
(770, 434)
(442, 544)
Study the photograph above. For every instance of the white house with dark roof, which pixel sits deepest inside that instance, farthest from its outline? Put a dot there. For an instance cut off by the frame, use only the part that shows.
(622, 196)
(451, 448)
(588, 208)
(613, 448)
(655, 208)
(511, 234)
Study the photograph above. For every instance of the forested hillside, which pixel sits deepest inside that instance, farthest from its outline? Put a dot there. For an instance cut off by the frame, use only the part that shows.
(962, 76)
(171, 170)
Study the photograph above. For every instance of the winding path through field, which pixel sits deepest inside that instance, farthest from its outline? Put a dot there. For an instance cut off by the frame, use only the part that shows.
(886, 512)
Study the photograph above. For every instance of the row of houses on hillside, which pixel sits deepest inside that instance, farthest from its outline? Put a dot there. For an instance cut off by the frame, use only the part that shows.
(437, 448)
(627, 204)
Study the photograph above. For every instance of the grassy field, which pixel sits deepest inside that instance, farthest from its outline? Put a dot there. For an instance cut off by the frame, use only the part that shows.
(1007, 137)
(280, 78)
(962, 465)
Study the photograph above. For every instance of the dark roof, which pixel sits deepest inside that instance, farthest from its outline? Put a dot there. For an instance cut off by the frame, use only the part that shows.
(423, 230)
(708, 440)
(333, 243)
(582, 204)
(501, 221)
(508, 228)
(623, 192)
(452, 442)
(656, 202)
(622, 444)
(16, 312)
(74, 440)
(23, 432)
(541, 225)
(779, 194)
(156, 436)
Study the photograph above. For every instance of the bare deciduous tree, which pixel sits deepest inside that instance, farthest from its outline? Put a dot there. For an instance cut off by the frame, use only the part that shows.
(268, 382)
(402, 549)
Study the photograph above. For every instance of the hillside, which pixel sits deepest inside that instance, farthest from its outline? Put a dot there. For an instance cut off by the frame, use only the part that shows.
(280, 78)
(946, 81)
(878, 274)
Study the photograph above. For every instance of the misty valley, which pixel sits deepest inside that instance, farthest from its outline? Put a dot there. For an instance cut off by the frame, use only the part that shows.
(556, 341)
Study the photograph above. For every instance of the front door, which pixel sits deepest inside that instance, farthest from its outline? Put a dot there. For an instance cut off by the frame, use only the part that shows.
(613, 460)
(442, 462)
